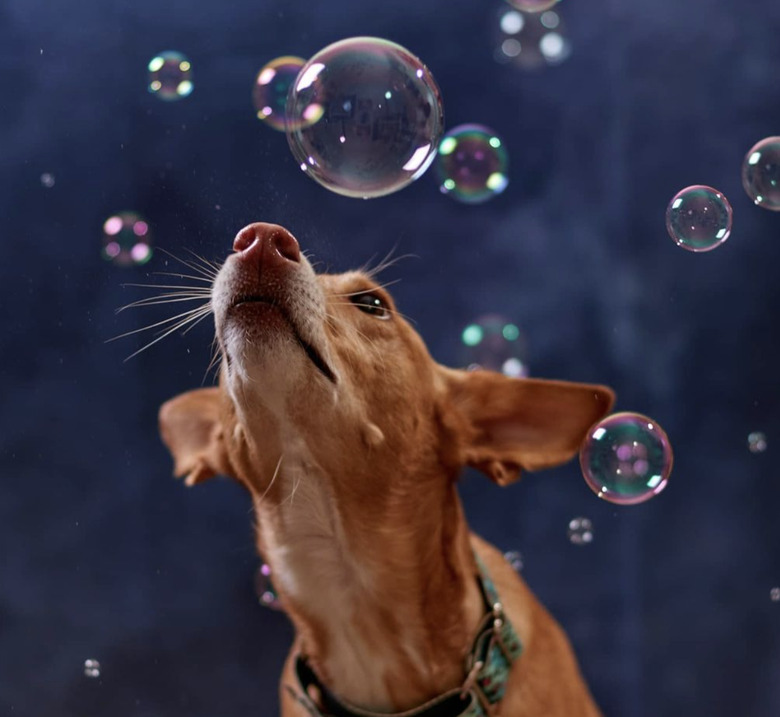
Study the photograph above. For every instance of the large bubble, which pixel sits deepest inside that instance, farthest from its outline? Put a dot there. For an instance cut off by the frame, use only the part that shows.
(365, 117)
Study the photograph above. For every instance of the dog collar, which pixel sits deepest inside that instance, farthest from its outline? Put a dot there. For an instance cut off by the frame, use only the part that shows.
(495, 647)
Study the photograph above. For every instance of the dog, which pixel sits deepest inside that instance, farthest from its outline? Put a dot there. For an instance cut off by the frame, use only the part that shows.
(350, 439)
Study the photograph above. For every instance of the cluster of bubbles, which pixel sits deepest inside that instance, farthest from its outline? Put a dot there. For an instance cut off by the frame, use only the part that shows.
(515, 560)
(626, 458)
(580, 531)
(531, 38)
(170, 76)
(266, 593)
(494, 342)
(756, 442)
(472, 164)
(91, 668)
(126, 239)
(699, 218)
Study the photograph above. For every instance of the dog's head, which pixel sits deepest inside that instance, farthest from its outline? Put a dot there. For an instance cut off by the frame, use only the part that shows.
(322, 373)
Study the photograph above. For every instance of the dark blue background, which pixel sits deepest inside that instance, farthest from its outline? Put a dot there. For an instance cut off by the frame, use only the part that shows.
(103, 555)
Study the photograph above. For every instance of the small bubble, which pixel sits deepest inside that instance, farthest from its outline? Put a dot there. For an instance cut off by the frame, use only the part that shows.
(699, 218)
(774, 594)
(272, 85)
(761, 173)
(91, 668)
(757, 442)
(264, 588)
(495, 343)
(580, 531)
(626, 458)
(170, 76)
(515, 559)
(47, 180)
(472, 164)
(126, 239)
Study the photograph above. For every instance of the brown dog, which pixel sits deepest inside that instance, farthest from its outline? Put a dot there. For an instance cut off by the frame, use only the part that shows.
(350, 439)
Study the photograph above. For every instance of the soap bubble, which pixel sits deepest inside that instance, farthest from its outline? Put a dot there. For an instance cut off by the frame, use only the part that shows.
(266, 593)
(626, 458)
(91, 668)
(366, 117)
(699, 218)
(774, 594)
(472, 164)
(580, 531)
(126, 239)
(756, 442)
(515, 559)
(271, 88)
(495, 343)
(170, 76)
(47, 180)
(531, 39)
(533, 5)
(761, 173)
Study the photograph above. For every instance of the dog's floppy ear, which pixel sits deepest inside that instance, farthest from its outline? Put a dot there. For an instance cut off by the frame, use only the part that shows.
(191, 429)
(507, 425)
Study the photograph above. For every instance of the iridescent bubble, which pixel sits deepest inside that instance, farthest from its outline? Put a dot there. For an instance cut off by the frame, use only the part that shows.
(170, 76)
(91, 668)
(494, 342)
(47, 180)
(533, 5)
(366, 117)
(126, 239)
(271, 88)
(699, 218)
(472, 164)
(756, 442)
(774, 594)
(761, 173)
(626, 458)
(531, 39)
(264, 588)
(515, 560)
(580, 531)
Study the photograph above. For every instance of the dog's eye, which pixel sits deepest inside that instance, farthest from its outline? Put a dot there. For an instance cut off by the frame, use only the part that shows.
(371, 304)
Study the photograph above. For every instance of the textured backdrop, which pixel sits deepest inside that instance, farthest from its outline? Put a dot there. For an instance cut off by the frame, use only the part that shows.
(103, 555)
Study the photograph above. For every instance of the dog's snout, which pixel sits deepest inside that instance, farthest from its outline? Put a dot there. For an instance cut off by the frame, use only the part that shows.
(261, 242)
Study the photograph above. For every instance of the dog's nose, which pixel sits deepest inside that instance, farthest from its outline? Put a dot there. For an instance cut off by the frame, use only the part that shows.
(267, 242)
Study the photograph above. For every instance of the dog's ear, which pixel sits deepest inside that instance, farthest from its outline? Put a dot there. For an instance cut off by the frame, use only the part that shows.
(507, 425)
(191, 429)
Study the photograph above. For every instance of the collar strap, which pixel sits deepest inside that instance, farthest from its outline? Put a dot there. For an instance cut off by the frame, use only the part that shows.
(495, 647)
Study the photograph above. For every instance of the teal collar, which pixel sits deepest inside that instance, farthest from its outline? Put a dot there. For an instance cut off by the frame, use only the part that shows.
(494, 649)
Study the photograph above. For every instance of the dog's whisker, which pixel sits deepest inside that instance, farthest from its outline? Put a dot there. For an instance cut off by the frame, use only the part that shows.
(192, 319)
(273, 478)
(207, 271)
(205, 309)
(162, 299)
(363, 291)
(182, 276)
(169, 286)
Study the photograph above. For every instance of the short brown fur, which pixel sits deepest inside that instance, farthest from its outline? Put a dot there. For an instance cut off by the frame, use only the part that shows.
(353, 480)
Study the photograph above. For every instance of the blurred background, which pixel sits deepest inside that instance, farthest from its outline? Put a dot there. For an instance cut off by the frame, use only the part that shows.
(103, 556)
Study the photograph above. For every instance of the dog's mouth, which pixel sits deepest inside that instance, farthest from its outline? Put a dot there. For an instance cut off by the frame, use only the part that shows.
(314, 355)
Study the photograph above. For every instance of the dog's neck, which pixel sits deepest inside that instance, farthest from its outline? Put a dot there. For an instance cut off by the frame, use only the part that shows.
(382, 591)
